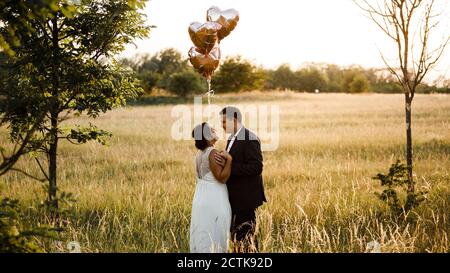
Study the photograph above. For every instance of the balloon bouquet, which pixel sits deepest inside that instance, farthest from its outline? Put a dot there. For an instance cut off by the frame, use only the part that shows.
(205, 54)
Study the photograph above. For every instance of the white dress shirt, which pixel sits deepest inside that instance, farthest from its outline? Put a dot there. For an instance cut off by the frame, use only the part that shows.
(233, 138)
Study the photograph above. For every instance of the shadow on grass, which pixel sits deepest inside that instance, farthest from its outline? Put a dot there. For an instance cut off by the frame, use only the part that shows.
(166, 100)
(159, 100)
(432, 146)
(222, 98)
(370, 151)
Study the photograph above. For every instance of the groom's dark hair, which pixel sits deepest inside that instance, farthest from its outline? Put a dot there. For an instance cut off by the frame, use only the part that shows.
(201, 134)
(232, 112)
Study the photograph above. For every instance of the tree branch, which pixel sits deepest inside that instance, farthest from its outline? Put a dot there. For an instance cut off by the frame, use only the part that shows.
(42, 169)
(29, 175)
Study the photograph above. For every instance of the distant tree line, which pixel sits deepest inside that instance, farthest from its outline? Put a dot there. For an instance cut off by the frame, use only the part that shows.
(168, 70)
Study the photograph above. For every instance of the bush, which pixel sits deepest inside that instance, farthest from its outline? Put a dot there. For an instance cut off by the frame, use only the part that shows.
(15, 237)
(395, 184)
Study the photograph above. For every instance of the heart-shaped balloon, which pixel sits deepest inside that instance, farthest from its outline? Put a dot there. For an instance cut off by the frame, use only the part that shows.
(205, 64)
(204, 36)
(228, 19)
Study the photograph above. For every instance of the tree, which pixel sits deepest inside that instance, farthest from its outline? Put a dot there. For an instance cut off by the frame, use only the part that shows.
(149, 80)
(359, 84)
(10, 158)
(442, 84)
(237, 74)
(162, 65)
(382, 81)
(283, 78)
(65, 67)
(183, 83)
(16, 27)
(348, 76)
(409, 24)
(9, 34)
(309, 79)
(334, 75)
(156, 71)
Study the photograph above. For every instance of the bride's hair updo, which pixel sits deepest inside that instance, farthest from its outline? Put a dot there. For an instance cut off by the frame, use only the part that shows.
(201, 134)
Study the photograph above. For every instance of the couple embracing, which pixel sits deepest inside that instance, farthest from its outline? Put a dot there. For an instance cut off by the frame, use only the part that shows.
(229, 188)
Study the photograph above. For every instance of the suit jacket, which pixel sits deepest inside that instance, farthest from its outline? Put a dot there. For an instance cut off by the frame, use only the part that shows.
(245, 185)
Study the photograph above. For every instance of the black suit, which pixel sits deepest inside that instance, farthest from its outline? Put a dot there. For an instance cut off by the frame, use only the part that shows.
(245, 185)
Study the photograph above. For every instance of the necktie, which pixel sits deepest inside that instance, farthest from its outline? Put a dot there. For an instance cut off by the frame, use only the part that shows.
(230, 142)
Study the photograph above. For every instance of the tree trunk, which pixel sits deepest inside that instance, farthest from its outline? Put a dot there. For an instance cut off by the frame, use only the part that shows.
(52, 163)
(409, 151)
(54, 119)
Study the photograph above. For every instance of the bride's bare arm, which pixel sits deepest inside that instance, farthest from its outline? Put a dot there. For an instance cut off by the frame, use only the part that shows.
(220, 173)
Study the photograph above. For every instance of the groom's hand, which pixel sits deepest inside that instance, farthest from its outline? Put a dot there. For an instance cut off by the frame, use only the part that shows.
(220, 159)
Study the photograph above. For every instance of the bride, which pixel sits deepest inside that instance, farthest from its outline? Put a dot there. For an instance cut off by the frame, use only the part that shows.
(211, 211)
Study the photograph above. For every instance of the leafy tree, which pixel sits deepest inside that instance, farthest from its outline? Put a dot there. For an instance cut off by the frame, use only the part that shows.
(348, 75)
(183, 83)
(237, 74)
(261, 77)
(283, 78)
(130, 63)
(309, 79)
(9, 36)
(359, 84)
(64, 67)
(149, 80)
(158, 71)
(170, 61)
(385, 84)
(12, 30)
(386, 87)
(334, 74)
(442, 85)
(161, 66)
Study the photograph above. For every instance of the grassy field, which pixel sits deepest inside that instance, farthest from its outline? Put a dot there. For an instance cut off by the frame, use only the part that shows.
(135, 195)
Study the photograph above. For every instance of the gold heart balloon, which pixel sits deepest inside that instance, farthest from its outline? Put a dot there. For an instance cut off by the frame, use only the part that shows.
(205, 64)
(228, 19)
(204, 36)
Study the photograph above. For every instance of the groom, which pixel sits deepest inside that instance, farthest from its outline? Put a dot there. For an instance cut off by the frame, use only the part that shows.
(245, 185)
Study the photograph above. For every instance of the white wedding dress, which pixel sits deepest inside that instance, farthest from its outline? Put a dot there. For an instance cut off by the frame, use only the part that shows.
(211, 210)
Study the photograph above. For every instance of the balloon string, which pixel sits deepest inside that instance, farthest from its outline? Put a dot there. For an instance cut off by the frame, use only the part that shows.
(210, 92)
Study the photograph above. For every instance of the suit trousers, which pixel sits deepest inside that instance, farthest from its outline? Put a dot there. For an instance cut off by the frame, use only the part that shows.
(243, 223)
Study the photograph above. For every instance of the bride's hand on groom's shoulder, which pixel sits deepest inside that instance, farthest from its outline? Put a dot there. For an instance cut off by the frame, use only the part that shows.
(226, 155)
(222, 158)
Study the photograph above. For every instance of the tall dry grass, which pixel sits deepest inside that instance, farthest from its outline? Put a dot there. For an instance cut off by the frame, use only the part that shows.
(135, 195)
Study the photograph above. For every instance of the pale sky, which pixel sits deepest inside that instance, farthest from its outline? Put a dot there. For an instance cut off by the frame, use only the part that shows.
(272, 32)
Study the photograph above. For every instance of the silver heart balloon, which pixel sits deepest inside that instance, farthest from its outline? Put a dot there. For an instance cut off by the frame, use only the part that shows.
(228, 19)
(204, 36)
(205, 64)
